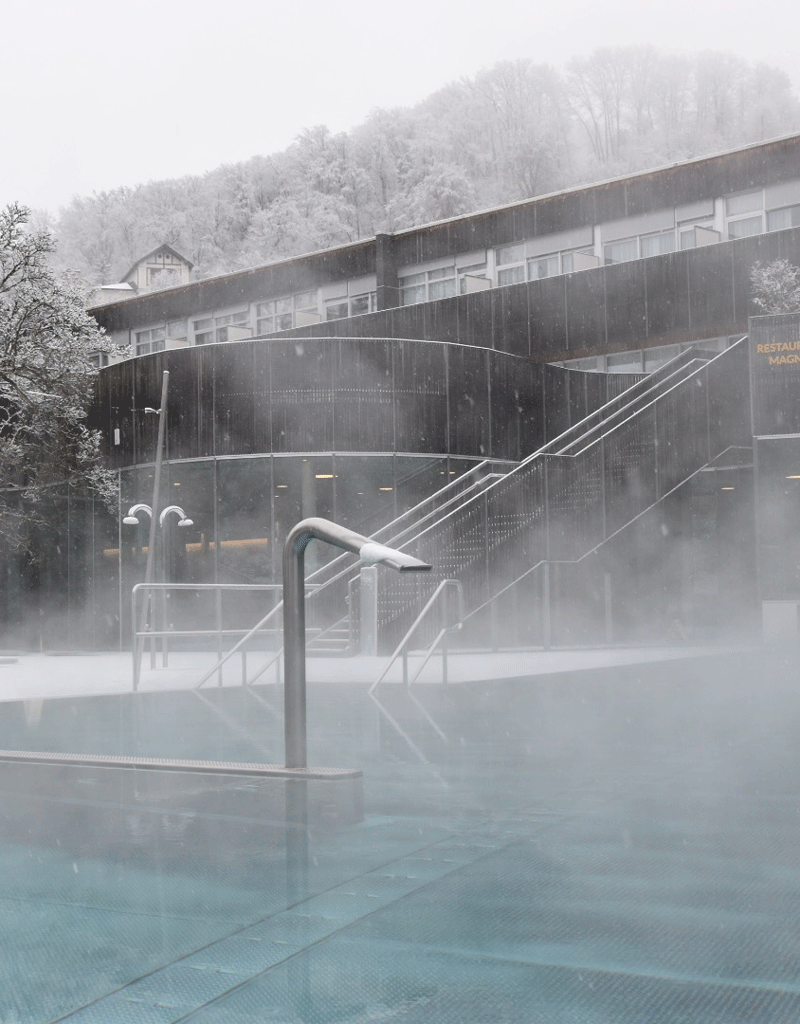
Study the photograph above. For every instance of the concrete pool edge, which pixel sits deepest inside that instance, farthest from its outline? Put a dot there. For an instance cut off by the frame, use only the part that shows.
(169, 764)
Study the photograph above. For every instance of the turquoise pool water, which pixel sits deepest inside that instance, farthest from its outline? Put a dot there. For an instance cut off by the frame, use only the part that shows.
(614, 846)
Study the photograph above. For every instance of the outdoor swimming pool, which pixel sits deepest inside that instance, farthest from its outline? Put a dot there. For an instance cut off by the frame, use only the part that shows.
(610, 846)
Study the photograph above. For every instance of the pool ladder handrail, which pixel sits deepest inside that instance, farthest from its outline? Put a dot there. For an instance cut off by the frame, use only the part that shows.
(450, 626)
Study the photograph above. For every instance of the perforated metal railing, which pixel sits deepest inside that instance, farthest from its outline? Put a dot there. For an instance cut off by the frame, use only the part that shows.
(491, 530)
(332, 600)
(559, 507)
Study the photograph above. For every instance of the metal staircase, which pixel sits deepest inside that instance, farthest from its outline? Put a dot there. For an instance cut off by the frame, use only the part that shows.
(493, 531)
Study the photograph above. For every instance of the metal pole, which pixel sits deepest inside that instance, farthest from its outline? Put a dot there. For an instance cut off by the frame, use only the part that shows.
(219, 635)
(294, 614)
(148, 572)
(294, 648)
(369, 610)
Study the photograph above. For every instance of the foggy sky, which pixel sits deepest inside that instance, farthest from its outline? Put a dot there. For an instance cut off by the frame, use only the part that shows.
(98, 96)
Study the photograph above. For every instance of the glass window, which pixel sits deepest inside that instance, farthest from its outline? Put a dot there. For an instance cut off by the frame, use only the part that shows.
(510, 254)
(176, 330)
(366, 303)
(476, 271)
(427, 285)
(745, 227)
(625, 362)
(275, 315)
(788, 217)
(654, 245)
(591, 364)
(545, 266)
(622, 252)
(305, 300)
(442, 287)
(688, 239)
(410, 294)
(511, 276)
(655, 357)
(746, 202)
(336, 309)
(211, 329)
(150, 341)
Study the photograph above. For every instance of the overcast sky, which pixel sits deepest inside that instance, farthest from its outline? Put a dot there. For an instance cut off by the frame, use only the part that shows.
(98, 95)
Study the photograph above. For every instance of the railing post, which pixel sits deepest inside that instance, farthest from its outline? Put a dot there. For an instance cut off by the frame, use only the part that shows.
(137, 650)
(164, 640)
(218, 596)
(369, 610)
(151, 619)
(546, 624)
(608, 607)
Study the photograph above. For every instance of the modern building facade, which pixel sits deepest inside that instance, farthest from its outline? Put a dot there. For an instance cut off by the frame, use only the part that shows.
(351, 383)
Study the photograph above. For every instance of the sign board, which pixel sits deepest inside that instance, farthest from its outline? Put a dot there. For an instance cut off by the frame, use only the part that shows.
(775, 374)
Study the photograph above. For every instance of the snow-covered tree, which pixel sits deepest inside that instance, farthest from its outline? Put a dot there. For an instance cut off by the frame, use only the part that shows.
(776, 286)
(46, 374)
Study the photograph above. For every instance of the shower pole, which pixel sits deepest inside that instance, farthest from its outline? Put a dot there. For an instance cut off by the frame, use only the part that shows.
(138, 645)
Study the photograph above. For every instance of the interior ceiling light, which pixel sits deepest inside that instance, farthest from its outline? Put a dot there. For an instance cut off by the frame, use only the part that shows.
(728, 488)
(282, 486)
(794, 477)
(324, 476)
(386, 488)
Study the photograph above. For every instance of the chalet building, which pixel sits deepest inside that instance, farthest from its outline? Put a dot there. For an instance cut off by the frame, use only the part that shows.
(161, 268)
(355, 382)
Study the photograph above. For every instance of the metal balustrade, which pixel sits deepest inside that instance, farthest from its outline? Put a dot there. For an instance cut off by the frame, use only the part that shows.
(490, 530)
(561, 507)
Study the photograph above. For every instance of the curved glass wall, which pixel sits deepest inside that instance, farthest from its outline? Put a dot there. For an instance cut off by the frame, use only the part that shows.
(241, 510)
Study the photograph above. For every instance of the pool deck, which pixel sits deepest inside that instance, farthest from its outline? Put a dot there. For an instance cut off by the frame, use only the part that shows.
(43, 676)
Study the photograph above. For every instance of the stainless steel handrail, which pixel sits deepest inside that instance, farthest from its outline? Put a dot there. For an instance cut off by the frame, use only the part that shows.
(140, 635)
(402, 646)
(294, 631)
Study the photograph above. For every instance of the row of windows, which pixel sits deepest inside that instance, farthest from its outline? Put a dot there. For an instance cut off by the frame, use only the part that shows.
(513, 267)
(690, 236)
(441, 283)
(643, 360)
(744, 216)
(741, 215)
(353, 305)
(299, 310)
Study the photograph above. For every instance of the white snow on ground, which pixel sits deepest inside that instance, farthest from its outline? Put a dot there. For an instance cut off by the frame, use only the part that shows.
(29, 676)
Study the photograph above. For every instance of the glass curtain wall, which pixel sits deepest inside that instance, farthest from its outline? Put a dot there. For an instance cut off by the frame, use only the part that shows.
(241, 511)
